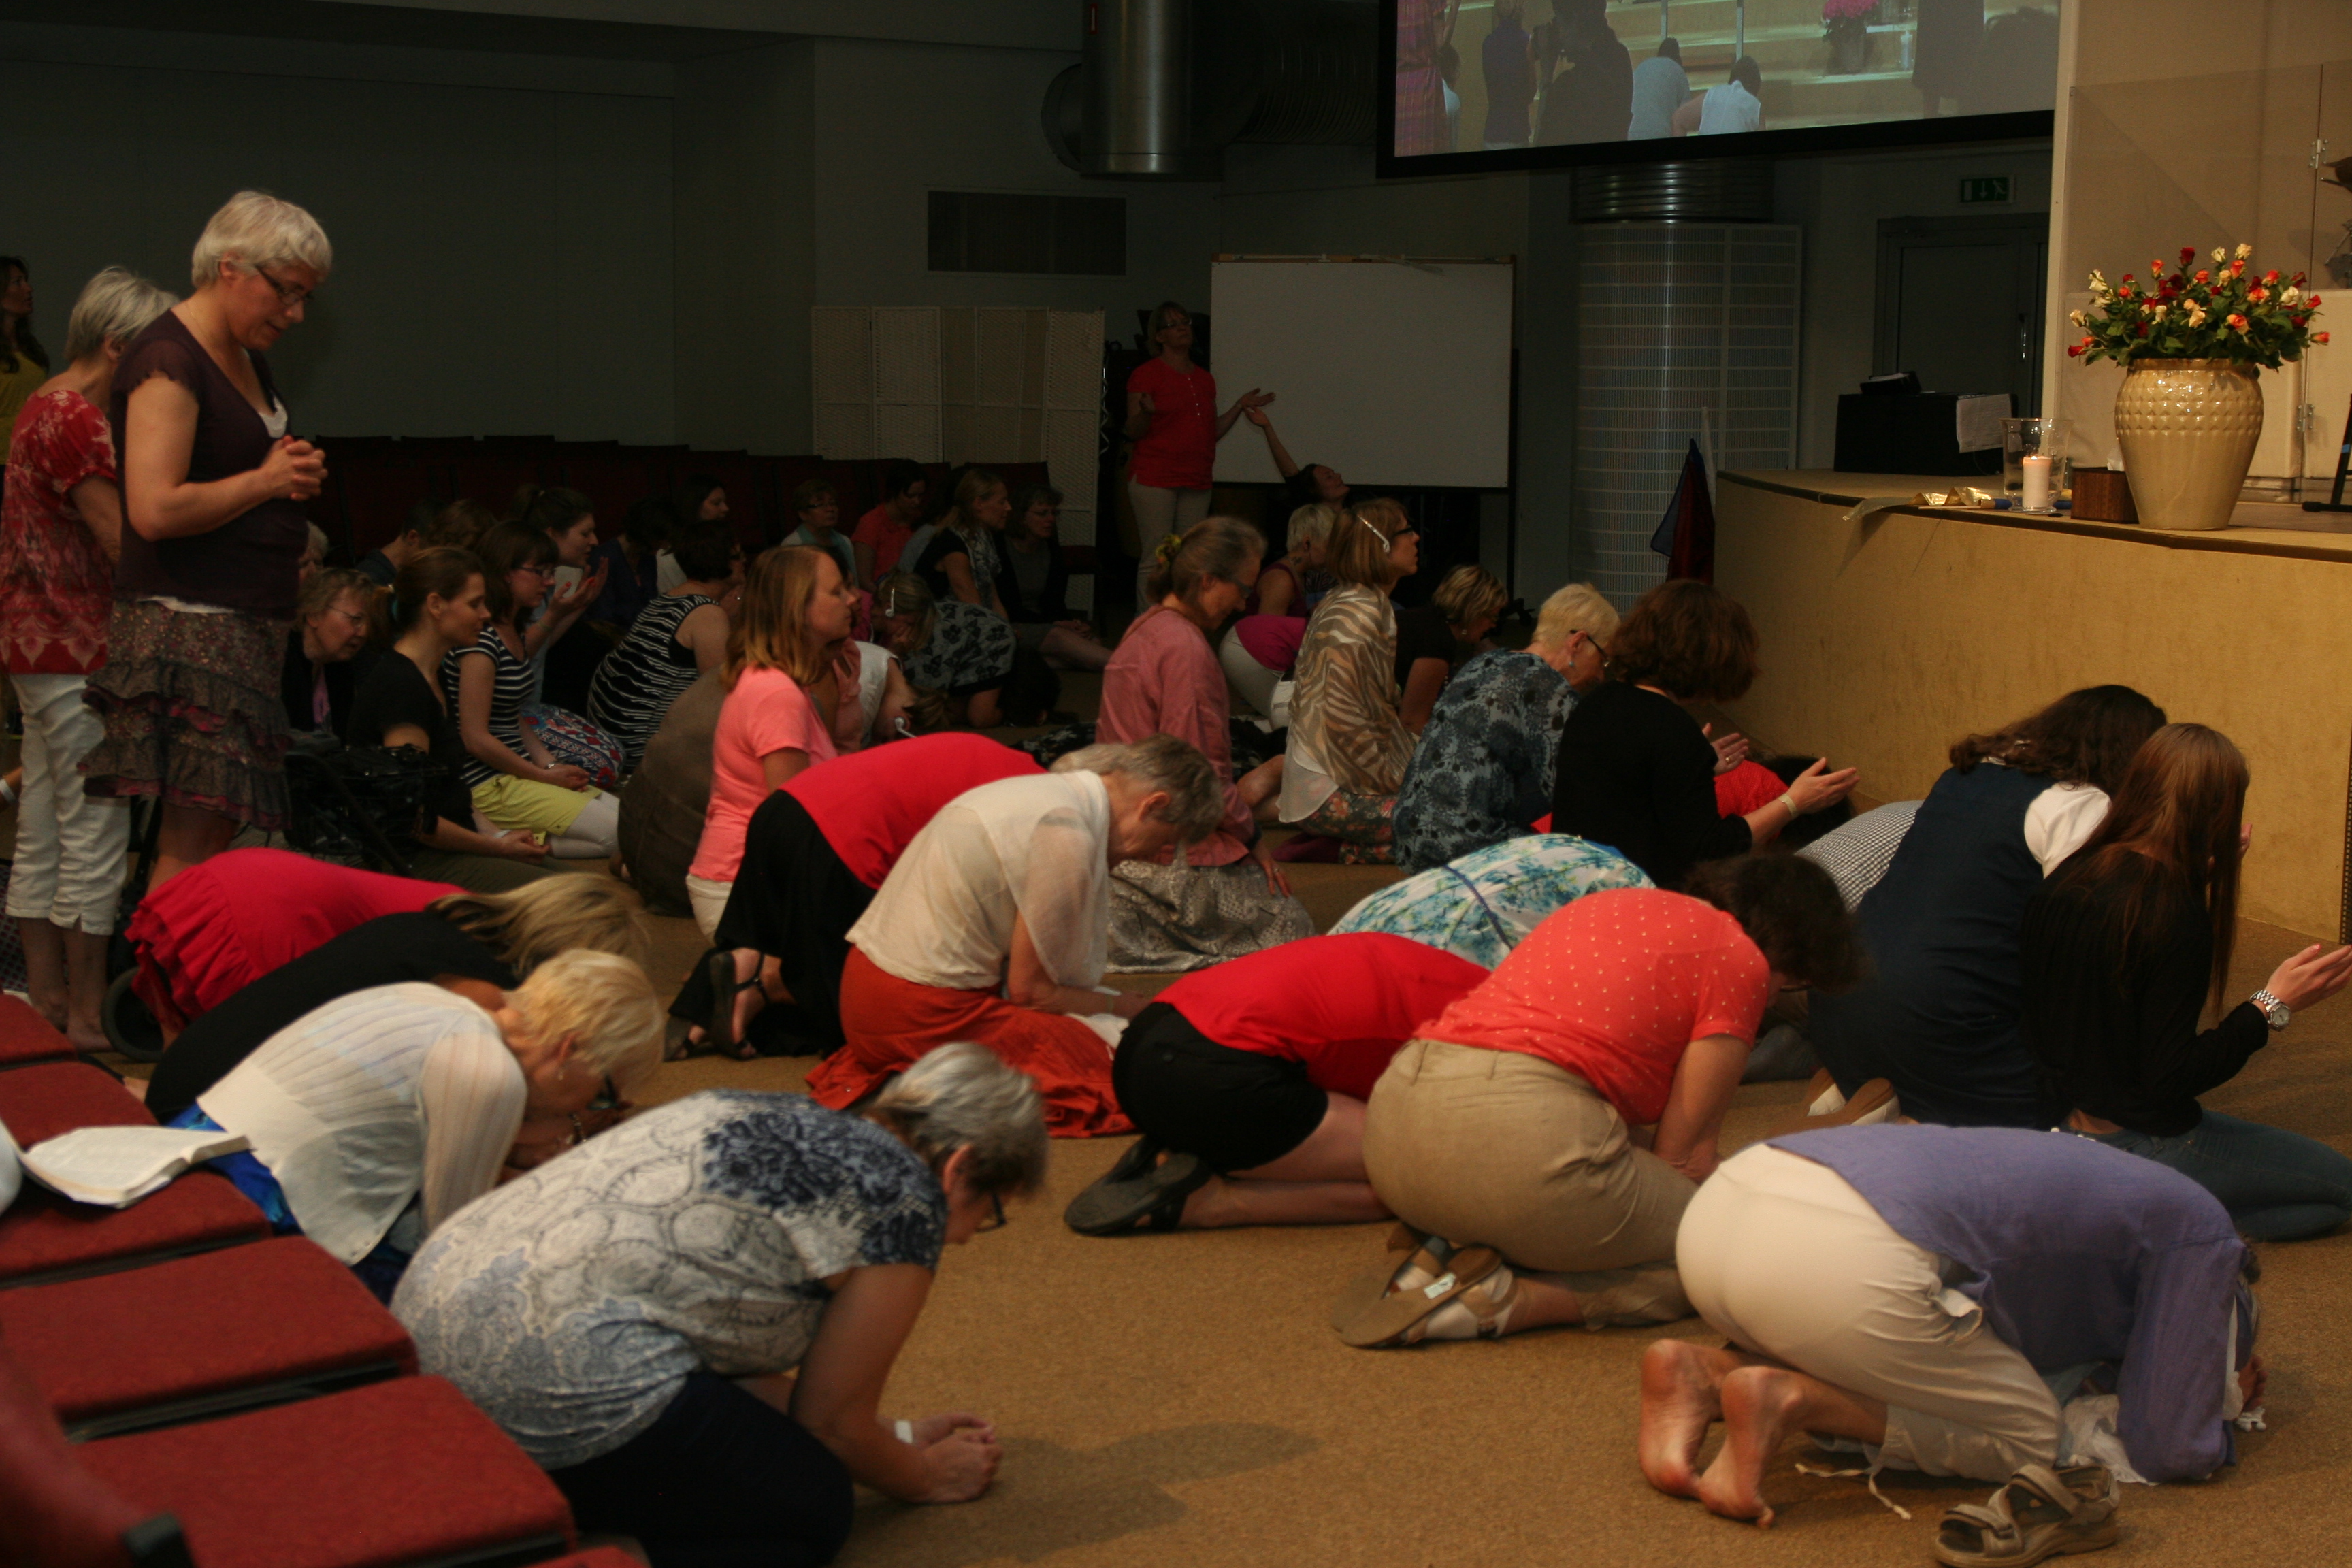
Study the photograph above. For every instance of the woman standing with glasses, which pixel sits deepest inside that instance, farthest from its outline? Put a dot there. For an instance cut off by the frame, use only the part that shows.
(1172, 418)
(212, 487)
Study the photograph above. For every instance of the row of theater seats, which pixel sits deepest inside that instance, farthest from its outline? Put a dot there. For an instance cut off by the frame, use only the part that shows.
(375, 482)
(174, 1358)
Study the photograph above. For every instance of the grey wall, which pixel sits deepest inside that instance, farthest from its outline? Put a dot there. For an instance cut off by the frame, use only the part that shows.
(503, 251)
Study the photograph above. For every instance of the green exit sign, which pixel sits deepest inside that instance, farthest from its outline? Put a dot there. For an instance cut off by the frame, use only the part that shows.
(1992, 188)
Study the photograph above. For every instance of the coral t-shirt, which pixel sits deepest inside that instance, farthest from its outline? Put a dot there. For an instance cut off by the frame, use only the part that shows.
(883, 533)
(1338, 1006)
(1614, 988)
(1179, 451)
(767, 711)
(870, 804)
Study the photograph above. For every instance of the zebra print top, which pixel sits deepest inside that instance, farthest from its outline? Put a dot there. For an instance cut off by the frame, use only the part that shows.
(513, 688)
(634, 688)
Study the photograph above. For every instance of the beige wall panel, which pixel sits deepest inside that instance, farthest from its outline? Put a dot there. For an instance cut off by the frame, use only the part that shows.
(1886, 640)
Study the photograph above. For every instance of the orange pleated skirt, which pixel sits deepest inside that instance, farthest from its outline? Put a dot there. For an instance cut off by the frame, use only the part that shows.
(889, 1023)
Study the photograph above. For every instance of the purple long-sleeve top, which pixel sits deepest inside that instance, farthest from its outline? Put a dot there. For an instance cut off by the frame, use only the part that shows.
(2080, 1253)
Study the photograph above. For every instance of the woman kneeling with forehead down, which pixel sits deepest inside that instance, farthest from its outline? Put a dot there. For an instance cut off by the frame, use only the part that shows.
(1252, 1076)
(633, 1314)
(994, 927)
(1545, 1134)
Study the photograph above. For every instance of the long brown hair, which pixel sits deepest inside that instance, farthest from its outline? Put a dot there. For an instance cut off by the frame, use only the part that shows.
(770, 630)
(2085, 737)
(2178, 807)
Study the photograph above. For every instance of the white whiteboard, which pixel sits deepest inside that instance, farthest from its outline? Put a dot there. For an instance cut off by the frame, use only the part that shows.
(1394, 373)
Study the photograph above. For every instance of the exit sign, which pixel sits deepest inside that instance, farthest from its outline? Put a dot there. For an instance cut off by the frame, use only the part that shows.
(1992, 188)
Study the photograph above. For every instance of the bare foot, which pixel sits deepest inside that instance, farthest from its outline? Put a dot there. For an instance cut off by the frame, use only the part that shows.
(1681, 1398)
(1760, 1408)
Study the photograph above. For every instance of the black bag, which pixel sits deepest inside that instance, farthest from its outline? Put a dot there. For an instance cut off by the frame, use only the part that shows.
(359, 803)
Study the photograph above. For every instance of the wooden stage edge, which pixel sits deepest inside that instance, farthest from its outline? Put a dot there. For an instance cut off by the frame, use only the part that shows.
(1888, 638)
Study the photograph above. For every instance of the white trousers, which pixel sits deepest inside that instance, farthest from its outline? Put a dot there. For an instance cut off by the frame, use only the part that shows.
(709, 900)
(1783, 1258)
(1158, 514)
(70, 849)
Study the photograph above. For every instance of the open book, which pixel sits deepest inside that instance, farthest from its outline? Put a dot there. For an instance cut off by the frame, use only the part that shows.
(117, 1166)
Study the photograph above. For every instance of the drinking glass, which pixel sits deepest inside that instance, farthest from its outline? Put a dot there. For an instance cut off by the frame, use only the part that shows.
(2037, 486)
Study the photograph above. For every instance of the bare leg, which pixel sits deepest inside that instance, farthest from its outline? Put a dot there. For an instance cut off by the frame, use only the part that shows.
(1320, 1181)
(1762, 1405)
(45, 968)
(1682, 1396)
(1260, 788)
(984, 711)
(86, 990)
(1065, 649)
(189, 837)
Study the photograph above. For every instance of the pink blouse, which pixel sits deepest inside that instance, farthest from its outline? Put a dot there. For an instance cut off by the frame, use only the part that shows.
(767, 711)
(1165, 680)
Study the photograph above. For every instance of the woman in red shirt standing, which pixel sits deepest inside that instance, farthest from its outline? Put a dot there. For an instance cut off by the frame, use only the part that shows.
(1172, 418)
(60, 532)
(1545, 1134)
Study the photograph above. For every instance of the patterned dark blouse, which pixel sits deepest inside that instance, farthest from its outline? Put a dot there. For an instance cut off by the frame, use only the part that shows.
(1483, 772)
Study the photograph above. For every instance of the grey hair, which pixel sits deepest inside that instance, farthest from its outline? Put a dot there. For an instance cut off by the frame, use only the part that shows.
(962, 1096)
(1196, 797)
(115, 307)
(254, 230)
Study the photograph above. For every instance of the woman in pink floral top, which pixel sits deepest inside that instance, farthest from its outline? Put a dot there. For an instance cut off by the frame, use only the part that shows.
(60, 530)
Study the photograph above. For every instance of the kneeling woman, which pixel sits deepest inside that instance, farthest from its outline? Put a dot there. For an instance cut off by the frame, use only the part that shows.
(1830, 1258)
(376, 1118)
(994, 927)
(1252, 1076)
(1547, 1130)
(640, 1347)
(1485, 904)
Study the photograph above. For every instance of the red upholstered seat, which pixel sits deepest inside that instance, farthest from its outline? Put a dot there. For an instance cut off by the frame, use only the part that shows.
(27, 1037)
(399, 1472)
(595, 1557)
(38, 1102)
(45, 1238)
(251, 1325)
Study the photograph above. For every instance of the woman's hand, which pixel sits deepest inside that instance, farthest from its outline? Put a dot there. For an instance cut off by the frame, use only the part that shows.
(294, 470)
(931, 1428)
(566, 776)
(1814, 789)
(1262, 853)
(521, 844)
(1256, 416)
(1729, 751)
(960, 1464)
(2311, 976)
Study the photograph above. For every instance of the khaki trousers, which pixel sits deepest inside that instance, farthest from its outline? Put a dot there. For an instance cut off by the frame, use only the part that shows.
(1782, 1256)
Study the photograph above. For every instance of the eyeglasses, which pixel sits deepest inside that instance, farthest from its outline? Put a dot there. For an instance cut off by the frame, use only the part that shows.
(538, 571)
(288, 294)
(995, 1220)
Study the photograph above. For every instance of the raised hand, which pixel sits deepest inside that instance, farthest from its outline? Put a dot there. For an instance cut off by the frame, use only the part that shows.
(2312, 975)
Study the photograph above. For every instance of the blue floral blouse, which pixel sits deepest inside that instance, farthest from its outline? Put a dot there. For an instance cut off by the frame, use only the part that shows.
(1483, 772)
(1483, 905)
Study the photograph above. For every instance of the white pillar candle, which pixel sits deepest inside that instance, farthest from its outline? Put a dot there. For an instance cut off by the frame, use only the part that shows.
(2037, 482)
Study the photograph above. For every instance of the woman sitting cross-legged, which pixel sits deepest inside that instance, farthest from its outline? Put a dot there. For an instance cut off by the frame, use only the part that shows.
(1346, 755)
(677, 637)
(494, 939)
(1483, 771)
(1485, 904)
(690, 1322)
(1543, 1134)
(1251, 1077)
(1035, 585)
(781, 685)
(373, 1119)
(1635, 771)
(1938, 1013)
(1917, 1293)
(2122, 948)
(516, 782)
(1226, 896)
(994, 927)
(814, 855)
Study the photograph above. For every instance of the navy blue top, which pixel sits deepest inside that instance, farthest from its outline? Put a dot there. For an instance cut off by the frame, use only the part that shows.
(2079, 1253)
(1939, 1013)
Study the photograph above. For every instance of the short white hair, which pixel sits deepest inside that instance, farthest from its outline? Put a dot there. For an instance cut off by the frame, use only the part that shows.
(254, 230)
(1579, 607)
(115, 307)
(962, 1095)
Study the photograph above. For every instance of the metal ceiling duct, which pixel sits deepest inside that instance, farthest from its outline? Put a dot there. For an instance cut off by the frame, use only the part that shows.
(1164, 86)
(1706, 190)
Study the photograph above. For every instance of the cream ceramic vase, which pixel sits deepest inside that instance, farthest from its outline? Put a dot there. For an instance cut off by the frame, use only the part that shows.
(2188, 430)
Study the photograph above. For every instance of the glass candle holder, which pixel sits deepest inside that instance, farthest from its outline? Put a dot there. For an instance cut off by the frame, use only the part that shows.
(2035, 470)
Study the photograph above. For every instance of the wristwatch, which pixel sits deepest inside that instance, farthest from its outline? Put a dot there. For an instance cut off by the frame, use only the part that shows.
(2274, 1010)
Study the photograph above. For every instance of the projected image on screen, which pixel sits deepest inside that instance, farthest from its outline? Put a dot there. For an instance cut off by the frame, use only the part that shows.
(1498, 75)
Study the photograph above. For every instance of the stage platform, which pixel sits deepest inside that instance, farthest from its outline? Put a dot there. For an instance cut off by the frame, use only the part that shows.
(1888, 636)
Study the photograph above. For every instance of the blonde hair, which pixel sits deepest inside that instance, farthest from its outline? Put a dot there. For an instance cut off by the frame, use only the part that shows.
(1360, 541)
(552, 915)
(904, 593)
(1469, 594)
(254, 230)
(604, 1003)
(1311, 521)
(115, 307)
(962, 1095)
(1579, 607)
(1215, 549)
(771, 628)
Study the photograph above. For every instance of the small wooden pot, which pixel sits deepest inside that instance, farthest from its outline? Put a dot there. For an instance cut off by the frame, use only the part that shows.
(2104, 495)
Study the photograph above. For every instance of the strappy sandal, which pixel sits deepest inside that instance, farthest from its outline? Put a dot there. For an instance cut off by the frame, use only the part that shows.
(2039, 1513)
(1365, 1290)
(1386, 1320)
(1141, 1189)
(719, 1029)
